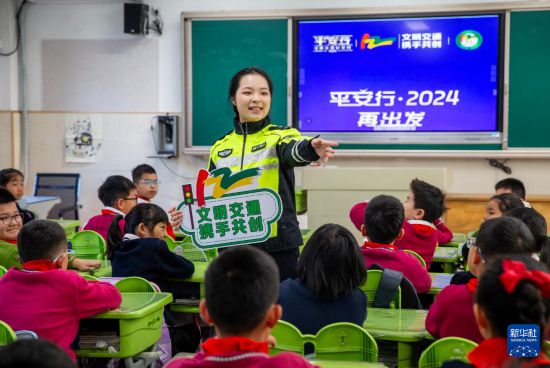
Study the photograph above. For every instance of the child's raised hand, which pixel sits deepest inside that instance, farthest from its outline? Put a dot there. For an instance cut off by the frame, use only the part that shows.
(86, 264)
(176, 217)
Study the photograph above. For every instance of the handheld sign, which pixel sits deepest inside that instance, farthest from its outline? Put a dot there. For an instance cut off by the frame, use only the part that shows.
(235, 212)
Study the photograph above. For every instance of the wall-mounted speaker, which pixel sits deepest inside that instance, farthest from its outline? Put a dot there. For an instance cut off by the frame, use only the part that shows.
(136, 18)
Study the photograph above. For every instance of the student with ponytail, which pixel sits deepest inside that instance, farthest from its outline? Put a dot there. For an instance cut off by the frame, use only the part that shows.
(537, 224)
(512, 290)
(142, 251)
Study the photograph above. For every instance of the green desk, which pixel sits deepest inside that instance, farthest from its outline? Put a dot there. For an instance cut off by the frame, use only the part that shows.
(404, 326)
(439, 281)
(344, 364)
(198, 277)
(70, 226)
(104, 271)
(448, 256)
(137, 324)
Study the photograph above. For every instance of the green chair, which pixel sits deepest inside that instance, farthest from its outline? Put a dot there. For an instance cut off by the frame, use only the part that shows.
(546, 347)
(3, 271)
(288, 337)
(7, 335)
(88, 244)
(417, 256)
(442, 350)
(135, 284)
(371, 285)
(170, 242)
(345, 341)
(190, 251)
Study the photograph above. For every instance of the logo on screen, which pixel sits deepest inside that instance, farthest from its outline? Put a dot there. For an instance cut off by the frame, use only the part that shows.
(332, 43)
(523, 340)
(469, 40)
(371, 42)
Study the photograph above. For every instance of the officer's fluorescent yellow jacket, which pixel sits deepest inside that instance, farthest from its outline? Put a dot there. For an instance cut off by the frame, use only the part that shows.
(276, 151)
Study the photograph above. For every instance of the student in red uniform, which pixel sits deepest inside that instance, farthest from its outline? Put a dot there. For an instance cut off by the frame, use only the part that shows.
(242, 286)
(382, 227)
(119, 195)
(451, 314)
(423, 228)
(43, 296)
(513, 290)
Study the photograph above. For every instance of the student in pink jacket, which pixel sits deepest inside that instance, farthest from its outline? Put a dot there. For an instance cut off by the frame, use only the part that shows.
(382, 228)
(43, 296)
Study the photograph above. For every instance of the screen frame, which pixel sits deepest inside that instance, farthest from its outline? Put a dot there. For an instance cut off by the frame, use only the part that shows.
(400, 138)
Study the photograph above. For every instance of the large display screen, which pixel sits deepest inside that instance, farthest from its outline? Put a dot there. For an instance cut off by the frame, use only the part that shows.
(429, 79)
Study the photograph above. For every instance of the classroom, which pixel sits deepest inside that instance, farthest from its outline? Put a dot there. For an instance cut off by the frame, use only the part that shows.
(76, 67)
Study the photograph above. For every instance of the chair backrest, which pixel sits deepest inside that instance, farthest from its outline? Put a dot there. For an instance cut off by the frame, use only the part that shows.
(3, 271)
(417, 256)
(371, 286)
(135, 284)
(190, 251)
(448, 348)
(345, 341)
(288, 337)
(90, 277)
(7, 335)
(88, 244)
(66, 187)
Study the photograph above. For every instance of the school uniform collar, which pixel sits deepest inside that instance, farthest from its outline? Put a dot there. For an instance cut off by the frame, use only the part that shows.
(251, 128)
(145, 200)
(232, 345)
(492, 353)
(129, 237)
(373, 245)
(14, 242)
(421, 222)
(38, 265)
(111, 211)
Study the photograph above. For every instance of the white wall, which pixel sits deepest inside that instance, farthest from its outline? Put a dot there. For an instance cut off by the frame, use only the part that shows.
(127, 139)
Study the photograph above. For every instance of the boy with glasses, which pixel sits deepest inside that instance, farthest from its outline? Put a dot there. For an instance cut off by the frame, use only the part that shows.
(119, 195)
(10, 226)
(146, 181)
(43, 296)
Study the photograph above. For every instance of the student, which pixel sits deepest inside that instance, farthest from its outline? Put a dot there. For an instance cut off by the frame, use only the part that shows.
(330, 270)
(423, 228)
(34, 353)
(451, 314)
(510, 185)
(383, 227)
(500, 204)
(241, 294)
(147, 186)
(537, 224)
(256, 143)
(10, 226)
(141, 249)
(43, 296)
(513, 290)
(146, 181)
(14, 181)
(119, 195)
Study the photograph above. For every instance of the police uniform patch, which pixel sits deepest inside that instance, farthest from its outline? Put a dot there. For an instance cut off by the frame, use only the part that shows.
(258, 147)
(225, 152)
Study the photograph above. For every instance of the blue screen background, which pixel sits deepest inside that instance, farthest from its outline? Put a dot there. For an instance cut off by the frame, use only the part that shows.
(474, 73)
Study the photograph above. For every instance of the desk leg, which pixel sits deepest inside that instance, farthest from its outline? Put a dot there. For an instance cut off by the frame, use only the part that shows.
(406, 355)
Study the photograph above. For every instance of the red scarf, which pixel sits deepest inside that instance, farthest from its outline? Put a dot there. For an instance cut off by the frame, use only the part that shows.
(39, 265)
(373, 245)
(144, 199)
(107, 211)
(14, 242)
(472, 285)
(231, 345)
(492, 353)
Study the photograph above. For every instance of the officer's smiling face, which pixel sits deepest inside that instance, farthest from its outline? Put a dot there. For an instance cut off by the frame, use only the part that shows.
(252, 98)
